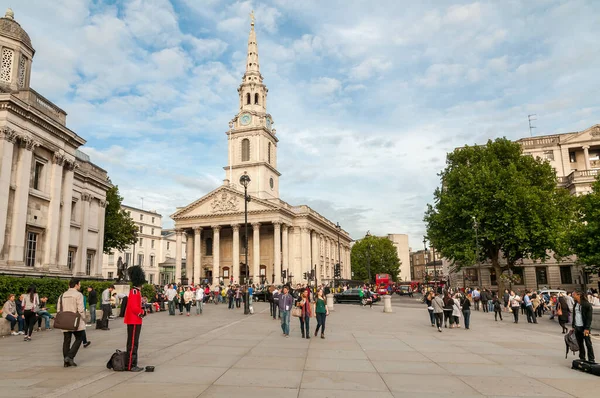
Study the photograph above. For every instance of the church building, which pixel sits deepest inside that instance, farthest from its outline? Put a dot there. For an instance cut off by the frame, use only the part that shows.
(285, 242)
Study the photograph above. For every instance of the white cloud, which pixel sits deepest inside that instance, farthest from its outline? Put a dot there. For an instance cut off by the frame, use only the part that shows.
(369, 68)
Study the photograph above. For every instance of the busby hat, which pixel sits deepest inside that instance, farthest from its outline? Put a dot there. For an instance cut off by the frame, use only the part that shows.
(137, 275)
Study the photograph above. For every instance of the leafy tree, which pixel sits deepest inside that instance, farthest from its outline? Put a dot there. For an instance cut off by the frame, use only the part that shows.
(585, 232)
(379, 253)
(511, 199)
(119, 229)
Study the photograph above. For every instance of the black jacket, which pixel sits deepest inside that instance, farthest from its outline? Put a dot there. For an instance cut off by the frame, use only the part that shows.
(587, 312)
(92, 298)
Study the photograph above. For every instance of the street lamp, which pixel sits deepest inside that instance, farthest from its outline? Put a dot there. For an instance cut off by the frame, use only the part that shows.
(435, 273)
(476, 228)
(338, 236)
(245, 181)
(369, 247)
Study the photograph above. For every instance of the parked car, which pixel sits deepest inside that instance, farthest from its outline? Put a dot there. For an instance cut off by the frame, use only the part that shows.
(404, 290)
(351, 296)
(261, 295)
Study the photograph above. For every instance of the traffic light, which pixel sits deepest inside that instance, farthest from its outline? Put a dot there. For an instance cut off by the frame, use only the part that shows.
(284, 272)
(312, 274)
(336, 272)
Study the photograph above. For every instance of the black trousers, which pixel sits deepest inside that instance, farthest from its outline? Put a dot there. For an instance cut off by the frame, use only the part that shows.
(530, 314)
(106, 311)
(497, 312)
(274, 307)
(70, 351)
(439, 319)
(581, 339)
(30, 320)
(133, 341)
(321, 317)
(515, 311)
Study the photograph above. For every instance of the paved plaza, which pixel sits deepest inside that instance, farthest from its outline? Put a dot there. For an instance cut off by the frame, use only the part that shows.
(367, 353)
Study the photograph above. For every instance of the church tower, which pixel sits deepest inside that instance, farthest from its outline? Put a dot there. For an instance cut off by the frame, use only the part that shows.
(252, 140)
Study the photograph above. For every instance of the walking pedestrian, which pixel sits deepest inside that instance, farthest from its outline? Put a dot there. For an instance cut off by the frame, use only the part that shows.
(476, 298)
(230, 296)
(321, 312)
(238, 297)
(275, 305)
(199, 300)
(582, 324)
(529, 308)
(285, 306)
(428, 298)
(515, 305)
(563, 312)
(180, 300)
(497, 308)
(456, 310)
(438, 310)
(171, 296)
(448, 308)
(92, 302)
(465, 304)
(106, 307)
(506, 298)
(31, 302)
(188, 297)
(72, 301)
(133, 317)
(304, 303)
(484, 300)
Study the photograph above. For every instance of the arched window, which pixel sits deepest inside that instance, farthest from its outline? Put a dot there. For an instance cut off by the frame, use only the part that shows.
(269, 153)
(245, 149)
(256, 98)
(248, 99)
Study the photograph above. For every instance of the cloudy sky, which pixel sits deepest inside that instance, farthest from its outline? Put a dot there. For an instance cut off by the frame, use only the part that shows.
(367, 96)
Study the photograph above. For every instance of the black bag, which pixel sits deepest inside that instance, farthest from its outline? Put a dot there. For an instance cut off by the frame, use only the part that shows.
(587, 367)
(123, 307)
(118, 361)
(101, 325)
(66, 320)
(571, 343)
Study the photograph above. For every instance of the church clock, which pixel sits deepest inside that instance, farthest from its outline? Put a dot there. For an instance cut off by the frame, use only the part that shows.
(245, 119)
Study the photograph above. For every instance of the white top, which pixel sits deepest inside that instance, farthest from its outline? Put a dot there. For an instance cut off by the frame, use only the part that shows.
(171, 293)
(199, 294)
(578, 316)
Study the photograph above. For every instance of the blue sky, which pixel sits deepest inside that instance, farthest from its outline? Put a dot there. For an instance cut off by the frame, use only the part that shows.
(367, 97)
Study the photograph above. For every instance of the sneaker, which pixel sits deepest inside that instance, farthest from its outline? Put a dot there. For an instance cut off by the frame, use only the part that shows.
(440, 330)
(21, 333)
(86, 345)
(16, 334)
(88, 324)
(136, 369)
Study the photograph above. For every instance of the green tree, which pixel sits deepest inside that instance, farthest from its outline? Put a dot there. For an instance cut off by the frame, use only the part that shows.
(119, 229)
(585, 231)
(512, 200)
(378, 254)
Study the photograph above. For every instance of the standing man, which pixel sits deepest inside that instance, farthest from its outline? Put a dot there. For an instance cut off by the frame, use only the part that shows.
(72, 301)
(134, 312)
(529, 308)
(275, 304)
(92, 301)
(286, 301)
(582, 324)
(476, 297)
(171, 294)
(106, 307)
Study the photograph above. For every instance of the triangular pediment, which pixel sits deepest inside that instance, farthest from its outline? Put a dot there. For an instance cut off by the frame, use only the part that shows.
(592, 133)
(223, 200)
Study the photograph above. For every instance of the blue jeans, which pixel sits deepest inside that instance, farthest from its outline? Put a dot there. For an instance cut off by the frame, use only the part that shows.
(285, 322)
(467, 316)
(171, 307)
(490, 305)
(13, 321)
(199, 305)
(431, 317)
(304, 325)
(46, 316)
(92, 314)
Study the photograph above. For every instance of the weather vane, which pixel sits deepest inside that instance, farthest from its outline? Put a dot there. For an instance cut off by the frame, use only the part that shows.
(252, 18)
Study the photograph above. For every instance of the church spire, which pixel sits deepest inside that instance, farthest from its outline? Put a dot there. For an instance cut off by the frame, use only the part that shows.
(252, 64)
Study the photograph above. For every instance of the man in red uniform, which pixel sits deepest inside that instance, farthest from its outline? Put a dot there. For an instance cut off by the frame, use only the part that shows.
(133, 317)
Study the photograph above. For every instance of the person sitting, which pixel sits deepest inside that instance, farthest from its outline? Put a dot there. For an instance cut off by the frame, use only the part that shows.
(157, 302)
(146, 306)
(43, 313)
(9, 312)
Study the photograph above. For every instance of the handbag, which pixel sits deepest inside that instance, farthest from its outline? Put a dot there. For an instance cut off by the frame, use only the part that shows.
(559, 310)
(297, 312)
(66, 320)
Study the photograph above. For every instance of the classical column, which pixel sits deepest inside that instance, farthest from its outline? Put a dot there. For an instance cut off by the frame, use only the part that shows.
(296, 249)
(306, 255)
(21, 199)
(86, 198)
(586, 156)
(256, 252)
(315, 254)
(285, 263)
(65, 217)
(235, 260)
(189, 256)
(216, 253)
(178, 255)
(101, 218)
(277, 251)
(8, 138)
(197, 254)
(53, 225)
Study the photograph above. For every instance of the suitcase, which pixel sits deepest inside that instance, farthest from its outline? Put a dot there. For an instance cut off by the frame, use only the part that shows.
(587, 367)
(101, 325)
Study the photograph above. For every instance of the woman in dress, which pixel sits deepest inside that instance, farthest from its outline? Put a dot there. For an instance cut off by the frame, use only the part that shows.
(563, 312)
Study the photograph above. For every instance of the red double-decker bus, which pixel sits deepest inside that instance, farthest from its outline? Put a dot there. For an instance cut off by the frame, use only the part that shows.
(383, 281)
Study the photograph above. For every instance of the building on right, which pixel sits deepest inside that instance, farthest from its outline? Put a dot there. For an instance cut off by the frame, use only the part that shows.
(576, 158)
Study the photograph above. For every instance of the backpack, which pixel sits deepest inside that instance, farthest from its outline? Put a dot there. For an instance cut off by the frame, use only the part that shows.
(118, 361)
(571, 343)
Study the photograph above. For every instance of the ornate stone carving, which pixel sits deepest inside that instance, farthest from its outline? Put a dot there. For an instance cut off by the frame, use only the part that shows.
(277, 224)
(225, 202)
(235, 227)
(58, 158)
(28, 143)
(197, 229)
(8, 134)
(101, 203)
(216, 227)
(596, 131)
(86, 197)
(255, 225)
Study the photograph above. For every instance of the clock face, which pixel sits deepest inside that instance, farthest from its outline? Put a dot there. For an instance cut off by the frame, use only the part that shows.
(269, 123)
(245, 119)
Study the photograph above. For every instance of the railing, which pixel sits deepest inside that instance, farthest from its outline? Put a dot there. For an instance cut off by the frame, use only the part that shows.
(540, 141)
(580, 174)
(40, 103)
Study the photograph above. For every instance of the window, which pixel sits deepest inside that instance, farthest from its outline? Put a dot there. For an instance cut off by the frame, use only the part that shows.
(471, 275)
(549, 155)
(22, 65)
(572, 157)
(152, 261)
(248, 99)
(110, 275)
(89, 259)
(38, 170)
(152, 231)
(141, 242)
(566, 277)
(493, 277)
(541, 276)
(111, 258)
(128, 258)
(140, 260)
(74, 211)
(152, 244)
(32, 238)
(168, 245)
(6, 65)
(141, 229)
(269, 153)
(141, 217)
(151, 279)
(256, 98)
(245, 150)
(209, 247)
(226, 273)
(71, 258)
(153, 222)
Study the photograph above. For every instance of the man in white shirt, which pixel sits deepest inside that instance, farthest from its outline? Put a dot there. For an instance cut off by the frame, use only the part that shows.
(199, 299)
(171, 294)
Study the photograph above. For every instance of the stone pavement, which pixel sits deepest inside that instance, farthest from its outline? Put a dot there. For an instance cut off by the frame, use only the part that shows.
(367, 353)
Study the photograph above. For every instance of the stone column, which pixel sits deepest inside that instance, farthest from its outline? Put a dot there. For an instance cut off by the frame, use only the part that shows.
(315, 255)
(256, 252)
(216, 253)
(100, 251)
(285, 263)
(277, 251)
(306, 256)
(8, 138)
(65, 217)
(586, 156)
(197, 254)
(178, 255)
(53, 225)
(235, 252)
(189, 256)
(21, 199)
(296, 248)
(86, 198)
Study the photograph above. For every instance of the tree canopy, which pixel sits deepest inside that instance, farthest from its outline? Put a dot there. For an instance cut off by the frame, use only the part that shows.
(379, 253)
(119, 229)
(508, 200)
(585, 232)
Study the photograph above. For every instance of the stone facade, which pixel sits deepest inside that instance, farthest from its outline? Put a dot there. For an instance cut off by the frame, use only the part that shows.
(281, 238)
(400, 241)
(52, 198)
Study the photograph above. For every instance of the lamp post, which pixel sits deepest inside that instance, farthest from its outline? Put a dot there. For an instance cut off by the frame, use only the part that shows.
(245, 180)
(476, 228)
(369, 246)
(338, 236)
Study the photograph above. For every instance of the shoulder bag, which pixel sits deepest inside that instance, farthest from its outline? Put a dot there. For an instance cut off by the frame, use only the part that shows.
(66, 320)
